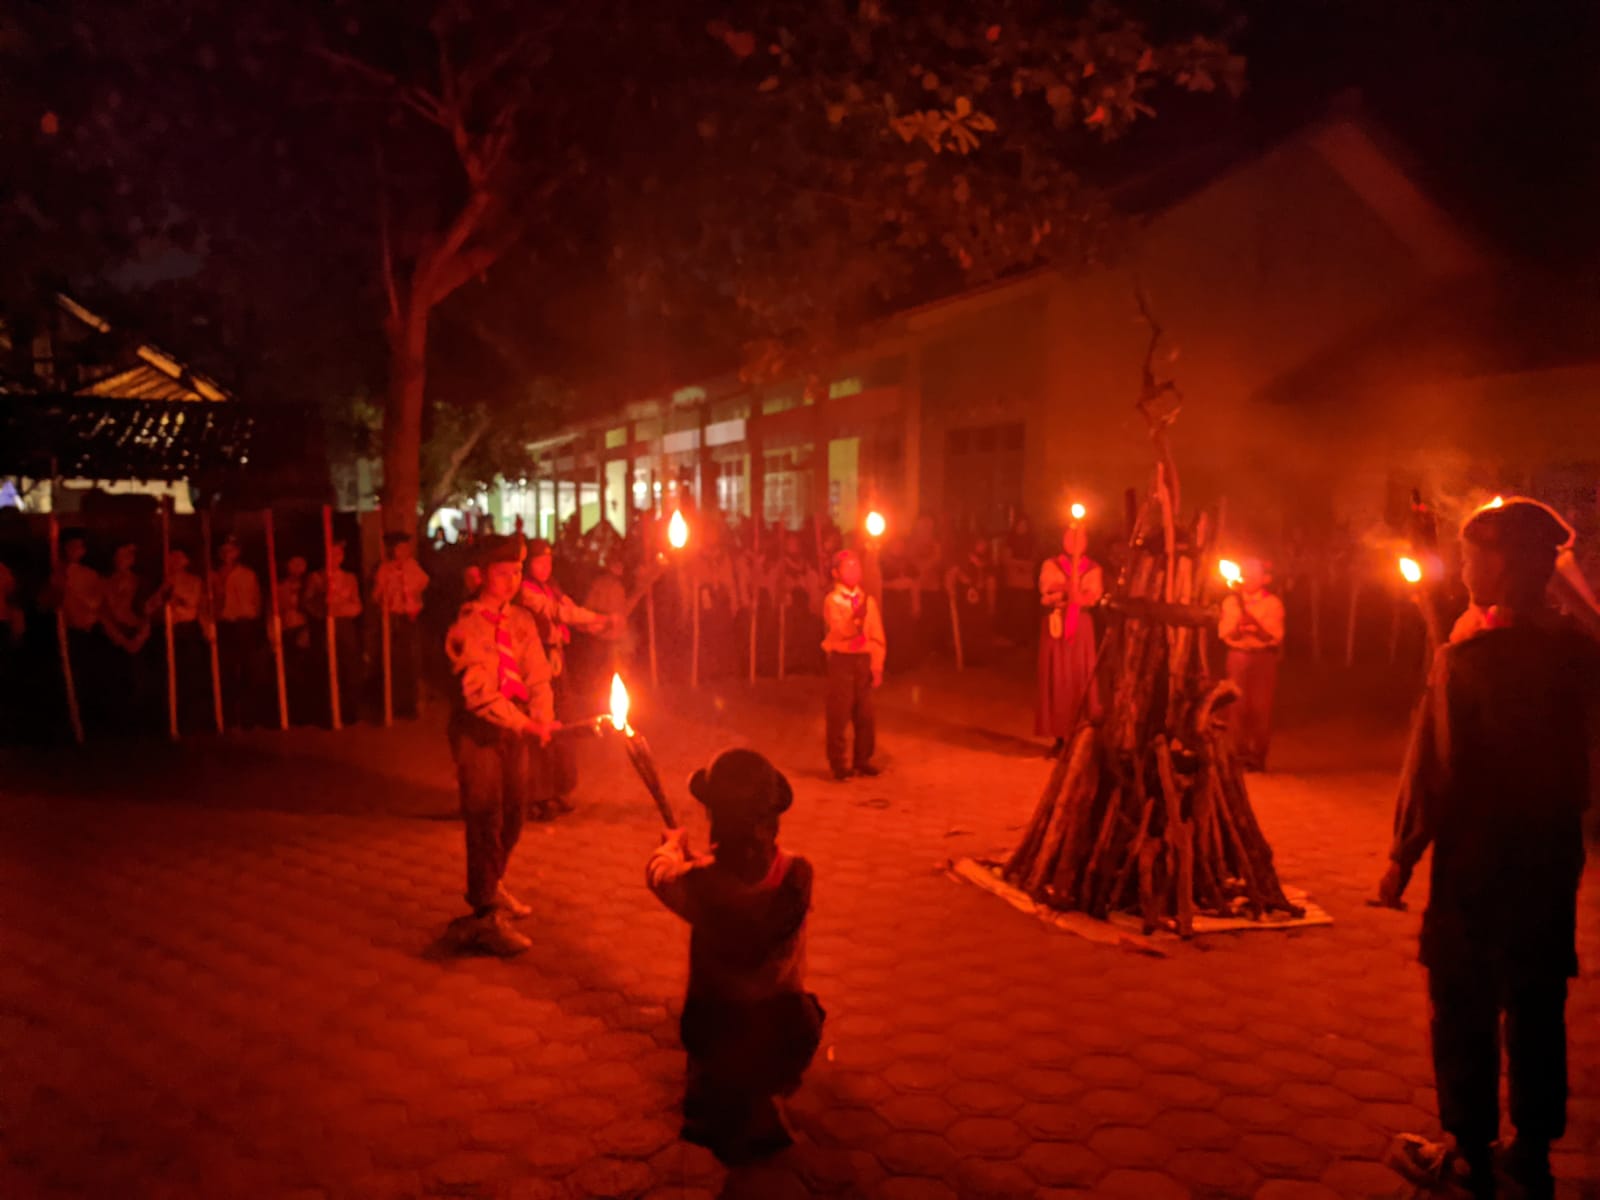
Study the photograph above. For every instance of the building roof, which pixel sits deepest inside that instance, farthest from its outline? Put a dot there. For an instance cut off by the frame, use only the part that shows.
(76, 436)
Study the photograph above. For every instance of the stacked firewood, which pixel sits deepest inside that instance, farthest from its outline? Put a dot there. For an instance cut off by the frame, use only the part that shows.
(1146, 811)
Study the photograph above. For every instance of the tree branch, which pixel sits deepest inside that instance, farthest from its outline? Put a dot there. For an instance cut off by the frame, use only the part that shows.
(419, 100)
(391, 287)
(441, 490)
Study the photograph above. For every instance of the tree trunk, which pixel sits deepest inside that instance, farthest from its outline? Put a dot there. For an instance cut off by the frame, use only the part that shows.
(402, 423)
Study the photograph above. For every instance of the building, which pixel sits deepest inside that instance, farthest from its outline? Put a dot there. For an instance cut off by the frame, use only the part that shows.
(1338, 339)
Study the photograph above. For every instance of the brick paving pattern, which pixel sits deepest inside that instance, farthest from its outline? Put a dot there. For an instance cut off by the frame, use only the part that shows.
(225, 981)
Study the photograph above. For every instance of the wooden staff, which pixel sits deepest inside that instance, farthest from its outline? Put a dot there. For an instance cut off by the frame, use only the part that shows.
(213, 608)
(328, 620)
(1350, 627)
(755, 610)
(275, 619)
(386, 636)
(166, 620)
(694, 621)
(1316, 616)
(63, 643)
(1394, 631)
(783, 627)
(955, 627)
(650, 631)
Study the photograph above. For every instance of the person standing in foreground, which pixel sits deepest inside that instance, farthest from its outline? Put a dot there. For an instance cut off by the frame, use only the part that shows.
(1496, 781)
(1251, 627)
(503, 704)
(1069, 584)
(856, 647)
(749, 1026)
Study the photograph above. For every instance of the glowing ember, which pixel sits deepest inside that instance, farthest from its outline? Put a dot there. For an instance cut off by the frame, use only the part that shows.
(1079, 512)
(678, 531)
(619, 704)
(1411, 570)
(1231, 572)
(876, 524)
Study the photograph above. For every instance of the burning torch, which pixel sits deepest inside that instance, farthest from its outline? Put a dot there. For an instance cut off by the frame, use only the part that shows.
(639, 752)
(1411, 572)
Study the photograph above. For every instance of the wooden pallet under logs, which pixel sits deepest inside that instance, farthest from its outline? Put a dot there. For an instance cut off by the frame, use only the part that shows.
(1146, 811)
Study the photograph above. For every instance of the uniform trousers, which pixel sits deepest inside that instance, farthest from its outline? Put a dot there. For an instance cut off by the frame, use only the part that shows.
(493, 771)
(1467, 1001)
(850, 704)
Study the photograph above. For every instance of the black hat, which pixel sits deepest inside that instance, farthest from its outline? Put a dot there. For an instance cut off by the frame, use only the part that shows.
(741, 786)
(1519, 524)
(501, 548)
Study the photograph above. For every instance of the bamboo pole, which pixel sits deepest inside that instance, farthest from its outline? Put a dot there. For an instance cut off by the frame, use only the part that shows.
(274, 619)
(694, 622)
(650, 632)
(386, 632)
(1350, 625)
(166, 620)
(213, 608)
(955, 627)
(63, 641)
(755, 612)
(328, 619)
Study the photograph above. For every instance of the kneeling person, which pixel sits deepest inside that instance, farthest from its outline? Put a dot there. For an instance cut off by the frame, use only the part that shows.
(749, 1026)
(504, 713)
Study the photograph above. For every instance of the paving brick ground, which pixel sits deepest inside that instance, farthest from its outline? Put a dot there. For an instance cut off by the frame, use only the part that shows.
(221, 979)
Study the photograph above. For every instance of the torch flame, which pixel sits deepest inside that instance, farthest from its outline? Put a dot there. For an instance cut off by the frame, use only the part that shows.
(1411, 570)
(1230, 571)
(1497, 502)
(619, 704)
(876, 524)
(678, 531)
(1079, 512)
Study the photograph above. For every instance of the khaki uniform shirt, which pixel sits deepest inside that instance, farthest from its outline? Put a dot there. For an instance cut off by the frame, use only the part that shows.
(474, 657)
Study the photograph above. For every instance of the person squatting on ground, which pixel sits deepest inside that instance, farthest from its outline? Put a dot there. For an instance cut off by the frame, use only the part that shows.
(503, 716)
(855, 645)
(749, 1026)
(1251, 627)
(554, 614)
(1496, 781)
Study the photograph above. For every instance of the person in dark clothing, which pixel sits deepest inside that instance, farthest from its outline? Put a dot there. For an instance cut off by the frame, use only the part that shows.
(1496, 781)
(749, 1026)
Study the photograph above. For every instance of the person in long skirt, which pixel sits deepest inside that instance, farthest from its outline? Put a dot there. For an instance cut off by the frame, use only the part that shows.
(1069, 584)
(1251, 626)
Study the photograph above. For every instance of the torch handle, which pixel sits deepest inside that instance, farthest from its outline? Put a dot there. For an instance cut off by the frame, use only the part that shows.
(644, 763)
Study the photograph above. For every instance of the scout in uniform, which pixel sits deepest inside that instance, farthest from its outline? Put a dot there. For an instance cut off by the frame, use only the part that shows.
(296, 627)
(749, 1026)
(855, 646)
(397, 588)
(340, 597)
(1496, 781)
(184, 596)
(1251, 627)
(503, 715)
(236, 599)
(555, 613)
(126, 621)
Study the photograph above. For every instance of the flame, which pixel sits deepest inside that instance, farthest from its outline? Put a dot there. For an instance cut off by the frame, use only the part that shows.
(1079, 512)
(1230, 571)
(678, 531)
(1411, 570)
(1497, 502)
(876, 524)
(619, 704)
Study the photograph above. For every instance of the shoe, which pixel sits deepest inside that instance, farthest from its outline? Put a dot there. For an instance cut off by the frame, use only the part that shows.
(1440, 1167)
(510, 904)
(495, 936)
(560, 806)
(868, 771)
(840, 774)
(1527, 1162)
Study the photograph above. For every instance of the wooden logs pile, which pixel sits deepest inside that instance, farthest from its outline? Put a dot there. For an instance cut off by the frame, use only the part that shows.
(1146, 811)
